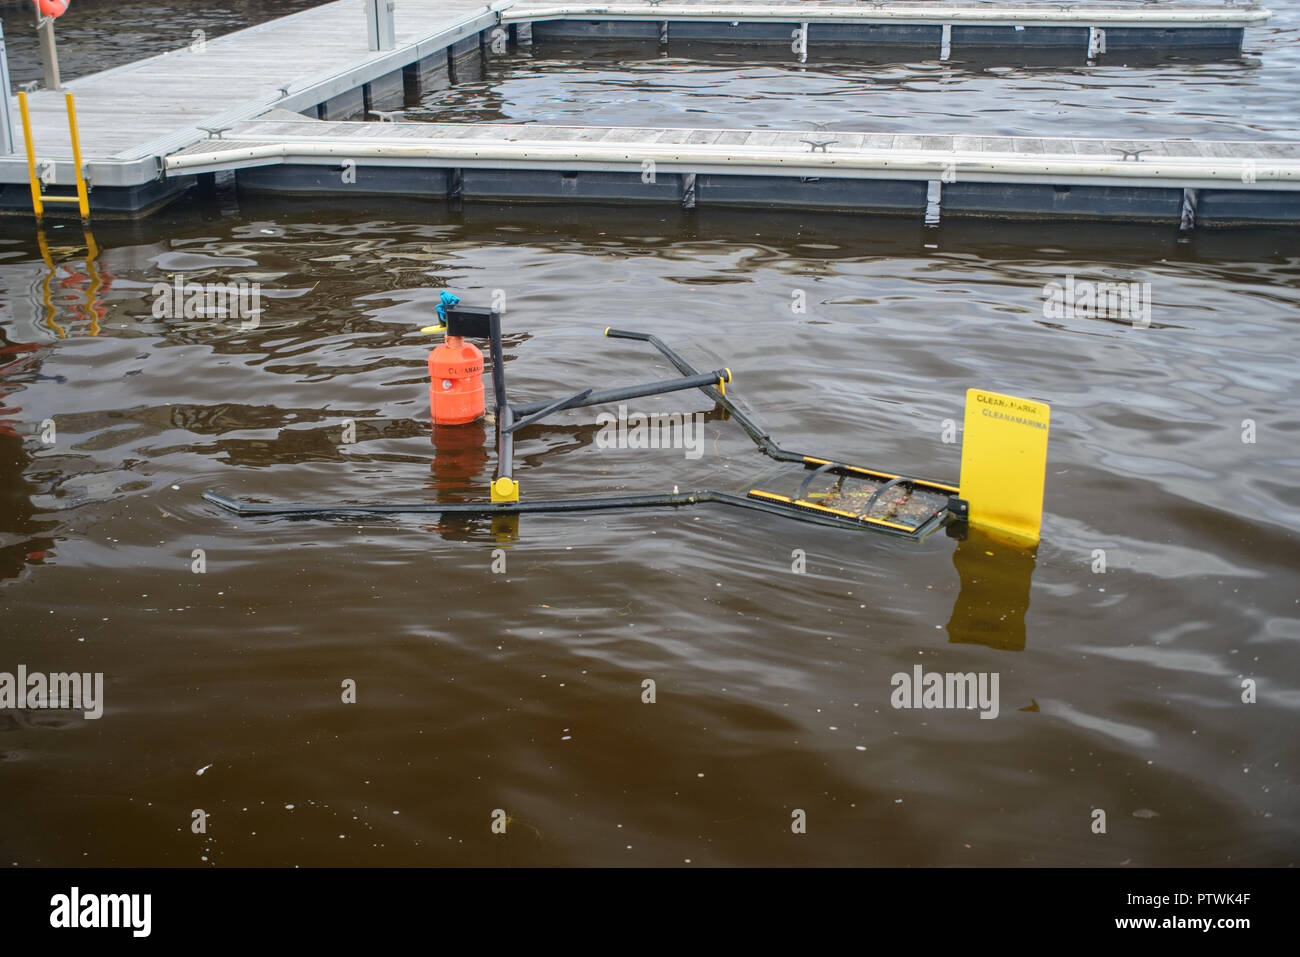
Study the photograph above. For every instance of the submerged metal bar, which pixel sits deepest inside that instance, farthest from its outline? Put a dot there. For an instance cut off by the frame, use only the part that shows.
(458, 508)
(552, 506)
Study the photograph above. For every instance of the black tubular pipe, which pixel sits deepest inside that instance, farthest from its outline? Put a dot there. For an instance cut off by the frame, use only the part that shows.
(631, 391)
(498, 363)
(568, 402)
(505, 443)
(677, 500)
(460, 508)
(760, 437)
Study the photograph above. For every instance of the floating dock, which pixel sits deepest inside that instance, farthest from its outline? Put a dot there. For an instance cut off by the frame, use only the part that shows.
(281, 107)
(1178, 181)
(1086, 29)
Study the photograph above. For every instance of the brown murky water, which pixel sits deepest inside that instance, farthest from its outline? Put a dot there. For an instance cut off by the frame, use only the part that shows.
(523, 690)
(520, 687)
(908, 90)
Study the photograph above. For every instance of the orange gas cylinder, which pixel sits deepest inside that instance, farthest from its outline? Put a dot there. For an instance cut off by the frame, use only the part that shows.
(455, 382)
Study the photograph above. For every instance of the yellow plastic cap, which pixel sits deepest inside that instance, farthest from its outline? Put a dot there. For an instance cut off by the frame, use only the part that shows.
(505, 489)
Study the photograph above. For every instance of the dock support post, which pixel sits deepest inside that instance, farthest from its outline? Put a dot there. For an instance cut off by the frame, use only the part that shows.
(49, 52)
(1096, 42)
(6, 109)
(496, 41)
(1188, 219)
(379, 24)
(933, 202)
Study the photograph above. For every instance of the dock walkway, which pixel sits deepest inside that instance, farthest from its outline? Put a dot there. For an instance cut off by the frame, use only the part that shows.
(974, 175)
(133, 115)
(149, 128)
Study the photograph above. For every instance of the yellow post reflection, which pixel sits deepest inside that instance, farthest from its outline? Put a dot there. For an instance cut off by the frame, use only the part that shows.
(996, 573)
(93, 281)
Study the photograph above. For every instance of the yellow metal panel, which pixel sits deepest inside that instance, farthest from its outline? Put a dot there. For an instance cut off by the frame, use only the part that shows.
(1004, 462)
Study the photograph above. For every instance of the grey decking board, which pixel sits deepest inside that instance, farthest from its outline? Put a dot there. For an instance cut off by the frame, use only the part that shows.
(163, 98)
(745, 146)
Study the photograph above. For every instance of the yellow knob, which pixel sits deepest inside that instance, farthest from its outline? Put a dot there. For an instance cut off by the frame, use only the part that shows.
(505, 489)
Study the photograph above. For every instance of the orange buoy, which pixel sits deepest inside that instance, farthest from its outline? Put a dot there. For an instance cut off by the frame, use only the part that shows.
(52, 8)
(455, 382)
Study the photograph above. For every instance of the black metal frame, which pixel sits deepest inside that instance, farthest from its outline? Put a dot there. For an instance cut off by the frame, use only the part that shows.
(479, 322)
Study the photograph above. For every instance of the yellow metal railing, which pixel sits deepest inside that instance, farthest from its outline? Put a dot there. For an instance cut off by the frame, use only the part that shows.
(39, 198)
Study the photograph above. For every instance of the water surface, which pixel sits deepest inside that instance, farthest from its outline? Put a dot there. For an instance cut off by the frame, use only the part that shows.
(523, 690)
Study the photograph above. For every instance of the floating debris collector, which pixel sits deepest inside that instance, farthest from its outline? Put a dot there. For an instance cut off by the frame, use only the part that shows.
(1004, 454)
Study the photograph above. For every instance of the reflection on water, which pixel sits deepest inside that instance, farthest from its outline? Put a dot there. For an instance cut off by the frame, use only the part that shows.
(980, 92)
(66, 281)
(460, 468)
(996, 573)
